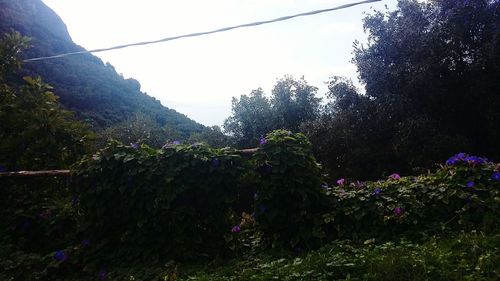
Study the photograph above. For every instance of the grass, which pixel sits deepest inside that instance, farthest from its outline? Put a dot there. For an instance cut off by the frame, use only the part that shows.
(471, 256)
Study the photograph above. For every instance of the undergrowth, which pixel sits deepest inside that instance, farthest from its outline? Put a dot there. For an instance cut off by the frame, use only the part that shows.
(466, 256)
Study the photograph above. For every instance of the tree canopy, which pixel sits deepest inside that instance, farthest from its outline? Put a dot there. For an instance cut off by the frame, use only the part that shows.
(292, 103)
(430, 70)
(36, 132)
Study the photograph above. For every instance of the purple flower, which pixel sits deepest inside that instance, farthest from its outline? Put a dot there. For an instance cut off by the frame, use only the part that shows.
(452, 161)
(85, 243)
(236, 229)
(398, 211)
(134, 145)
(262, 141)
(95, 157)
(474, 160)
(495, 176)
(395, 176)
(215, 162)
(377, 192)
(470, 184)
(74, 200)
(61, 256)
(455, 159)
(341, 181)
(102, 274)
(176, 142)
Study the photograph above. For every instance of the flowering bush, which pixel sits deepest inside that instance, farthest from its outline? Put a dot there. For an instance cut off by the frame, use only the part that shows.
(290, 198)
(463, 194)
(174, 202)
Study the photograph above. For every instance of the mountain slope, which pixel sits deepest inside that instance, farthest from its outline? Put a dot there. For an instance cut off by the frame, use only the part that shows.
(84, 83)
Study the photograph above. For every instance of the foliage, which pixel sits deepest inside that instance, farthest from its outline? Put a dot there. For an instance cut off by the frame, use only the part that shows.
(151, 204)
(461, 196)
(36, 132)
(467, 256)
(213, 136)
(137, 208)
(37, 219)
(430, 73)
(10, 48)
(288, 201)
(292, 103)
(252, 118)
(140, 129)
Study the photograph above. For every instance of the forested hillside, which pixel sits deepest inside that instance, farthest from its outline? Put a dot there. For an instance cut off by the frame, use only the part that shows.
(94, 90)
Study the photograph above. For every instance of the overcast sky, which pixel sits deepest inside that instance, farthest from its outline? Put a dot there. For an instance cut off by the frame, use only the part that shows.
(198, 76)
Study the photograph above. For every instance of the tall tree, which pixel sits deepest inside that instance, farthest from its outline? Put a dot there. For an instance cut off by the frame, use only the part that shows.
(251, 118)
(294, 102)
(35, 132)
(430, 70)
(139, 128)
(438, 60)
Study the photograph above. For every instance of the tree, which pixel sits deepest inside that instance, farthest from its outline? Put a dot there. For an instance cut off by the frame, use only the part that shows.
(252, 118)
(292, 103)
(440, 61)
(212, 136)
(430, 71)
(35, 132)
(140, 129)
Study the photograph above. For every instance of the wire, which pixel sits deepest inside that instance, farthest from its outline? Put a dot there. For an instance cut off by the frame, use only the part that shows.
(204, 33)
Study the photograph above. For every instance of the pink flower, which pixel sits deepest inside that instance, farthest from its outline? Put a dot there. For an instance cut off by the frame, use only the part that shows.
(395, 176)
(398, 211)
(341, 181)
(236, 229)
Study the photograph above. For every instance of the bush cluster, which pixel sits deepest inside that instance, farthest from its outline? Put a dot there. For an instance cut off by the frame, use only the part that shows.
(131, 203)
(172, 203)
(463, 194)
(289, 200)
(178, 202)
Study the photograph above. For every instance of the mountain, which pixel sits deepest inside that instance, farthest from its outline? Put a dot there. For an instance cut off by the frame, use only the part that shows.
(85, 85)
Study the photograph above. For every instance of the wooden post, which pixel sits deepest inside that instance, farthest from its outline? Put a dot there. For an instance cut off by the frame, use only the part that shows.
(48, 173)
(250, 151)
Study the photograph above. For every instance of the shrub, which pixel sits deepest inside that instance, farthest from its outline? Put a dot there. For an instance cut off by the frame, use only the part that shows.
(289, 199)
(463, 194)
(168, 203)
(36, 219)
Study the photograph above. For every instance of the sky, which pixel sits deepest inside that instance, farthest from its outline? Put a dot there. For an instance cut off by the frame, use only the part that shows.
(199, 76)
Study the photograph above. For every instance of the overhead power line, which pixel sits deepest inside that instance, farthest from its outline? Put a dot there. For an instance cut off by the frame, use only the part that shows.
(284, 18)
